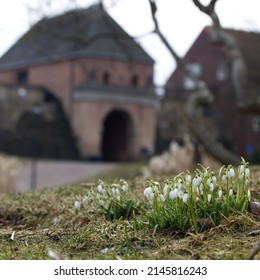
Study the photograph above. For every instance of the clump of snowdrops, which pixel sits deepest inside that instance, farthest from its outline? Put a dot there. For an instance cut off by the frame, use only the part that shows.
(189, 200)
(115, 200)
(204, 196)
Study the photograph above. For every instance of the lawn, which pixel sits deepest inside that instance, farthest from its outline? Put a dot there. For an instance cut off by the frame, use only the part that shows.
(45, 224)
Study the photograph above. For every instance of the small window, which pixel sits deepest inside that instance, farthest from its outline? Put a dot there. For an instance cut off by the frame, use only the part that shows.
(189, 83)
(256, 124)
(134, 81)
(22, 77)
(106, 78)
(195, 69)
(222, 71)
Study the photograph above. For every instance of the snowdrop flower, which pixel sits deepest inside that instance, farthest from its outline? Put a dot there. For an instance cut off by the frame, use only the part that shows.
(211, 186)
(197, 199)
(104, 192)
(247, 172)
(77, 205)
(201, 188)
(117, 192)
(100, 188)
(113, 191)
(241, 169)
(214, 179)
(196, 181)
(188, 178)
(148, 191)
(249, 194)
(230, 192)
(124, 188)
(165, 189)
(209, 198)
(162, 197)
(185, 198)
(224, 177)
(209, 181)
(231, 173)
(101, 202)
(220, 193)
(174, 193)
(180, 186)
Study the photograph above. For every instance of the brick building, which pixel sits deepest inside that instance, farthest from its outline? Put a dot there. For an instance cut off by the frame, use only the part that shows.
(237, 131)
(102, 78)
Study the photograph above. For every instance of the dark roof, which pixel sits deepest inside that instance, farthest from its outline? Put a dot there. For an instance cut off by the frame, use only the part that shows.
(87, 32)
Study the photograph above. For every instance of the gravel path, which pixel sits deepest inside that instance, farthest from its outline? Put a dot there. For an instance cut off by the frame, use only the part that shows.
(57, 173)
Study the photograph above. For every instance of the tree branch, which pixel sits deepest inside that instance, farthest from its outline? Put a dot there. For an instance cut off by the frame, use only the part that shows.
(200, 98)
(178, 59)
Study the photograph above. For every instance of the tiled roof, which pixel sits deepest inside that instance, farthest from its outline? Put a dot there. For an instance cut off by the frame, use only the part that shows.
(88, 32)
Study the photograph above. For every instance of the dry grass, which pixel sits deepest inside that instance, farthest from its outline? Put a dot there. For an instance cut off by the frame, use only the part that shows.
(8, 171)
(46, 220)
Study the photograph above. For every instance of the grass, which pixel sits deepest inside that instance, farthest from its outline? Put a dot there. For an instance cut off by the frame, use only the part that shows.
(47, 220)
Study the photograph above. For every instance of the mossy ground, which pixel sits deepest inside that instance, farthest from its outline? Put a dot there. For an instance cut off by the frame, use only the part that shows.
(46, 219)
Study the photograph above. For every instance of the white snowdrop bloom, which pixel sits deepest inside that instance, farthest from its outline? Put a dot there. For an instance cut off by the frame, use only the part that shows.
(188, 178)
(165, 189)
(180, 186)
(196, 181)
(209, 198)
(230, 192)
(211, 186)
(214, 179)
(201, 187)
(209, 181)
(185, 198)
(174, 193)
(117, 191)
(113, 191)
(224, 177)
(249, 194)
(148, 191)
(124, 188)
(247, 172)
(220, 193)
(231, 173)
(101, 202)
(180, 194)
(100, 188)
(241, 169)
(77, 205)
(162, 197)
(197, 199)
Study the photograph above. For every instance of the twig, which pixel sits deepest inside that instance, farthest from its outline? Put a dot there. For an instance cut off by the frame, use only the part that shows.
(178, 59)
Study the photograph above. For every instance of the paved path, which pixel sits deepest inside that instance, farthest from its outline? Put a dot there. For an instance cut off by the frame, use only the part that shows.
(58, 173)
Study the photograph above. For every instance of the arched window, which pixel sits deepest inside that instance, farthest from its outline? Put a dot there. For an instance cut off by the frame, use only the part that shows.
(106, 78)
(134, 81)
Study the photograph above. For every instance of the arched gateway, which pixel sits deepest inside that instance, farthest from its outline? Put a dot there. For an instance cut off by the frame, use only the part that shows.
(117, 136)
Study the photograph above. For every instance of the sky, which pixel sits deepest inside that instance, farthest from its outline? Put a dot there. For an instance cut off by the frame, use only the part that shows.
(180, 21)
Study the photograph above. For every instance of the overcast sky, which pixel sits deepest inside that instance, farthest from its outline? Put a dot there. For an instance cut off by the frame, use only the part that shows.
(179, 20)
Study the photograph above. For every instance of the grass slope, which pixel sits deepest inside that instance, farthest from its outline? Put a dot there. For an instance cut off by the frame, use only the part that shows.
(46, 219)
